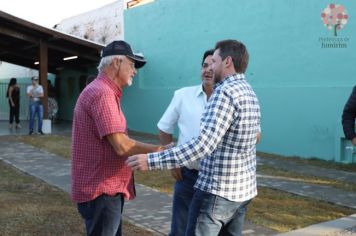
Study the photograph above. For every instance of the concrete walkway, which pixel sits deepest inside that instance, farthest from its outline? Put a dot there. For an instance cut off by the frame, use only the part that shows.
(316, 191)
(152, 209)
(340, 227)
(344, 176)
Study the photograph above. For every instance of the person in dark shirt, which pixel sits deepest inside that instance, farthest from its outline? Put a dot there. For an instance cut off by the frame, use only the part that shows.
(13, 93)
(348, 117)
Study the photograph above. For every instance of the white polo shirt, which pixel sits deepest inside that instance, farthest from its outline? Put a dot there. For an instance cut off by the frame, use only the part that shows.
(185, 110)
(35, 91)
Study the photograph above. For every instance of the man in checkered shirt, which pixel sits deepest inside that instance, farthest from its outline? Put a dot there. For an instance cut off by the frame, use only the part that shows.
(226, 146)
(100, 145)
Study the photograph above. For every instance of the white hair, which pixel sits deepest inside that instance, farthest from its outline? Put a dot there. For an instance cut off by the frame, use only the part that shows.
(106, 61)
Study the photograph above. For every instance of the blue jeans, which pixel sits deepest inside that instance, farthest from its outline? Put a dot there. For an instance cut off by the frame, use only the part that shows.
(213, 215)
(103, 215)
(36, 108)
(183, 194)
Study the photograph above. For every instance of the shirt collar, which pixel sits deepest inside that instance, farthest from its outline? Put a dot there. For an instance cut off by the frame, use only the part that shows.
(199, 91)
(103, 77)
(230, 78)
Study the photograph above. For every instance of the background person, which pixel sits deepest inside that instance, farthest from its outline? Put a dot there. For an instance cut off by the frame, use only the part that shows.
(13, 93)
(185, 111)
(52, 102)
(35, 93)
(349, 116)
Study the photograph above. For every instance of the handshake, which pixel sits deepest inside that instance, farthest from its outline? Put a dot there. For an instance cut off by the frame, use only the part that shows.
(139, 161)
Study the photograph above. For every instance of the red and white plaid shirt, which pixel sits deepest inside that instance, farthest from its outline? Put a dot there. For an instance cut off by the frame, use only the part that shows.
(96, 168)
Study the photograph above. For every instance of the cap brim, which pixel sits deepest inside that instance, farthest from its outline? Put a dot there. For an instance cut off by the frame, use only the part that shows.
(139, 61)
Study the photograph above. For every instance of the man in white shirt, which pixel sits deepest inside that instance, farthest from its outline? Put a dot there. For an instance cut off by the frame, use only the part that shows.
(185, 111)
(35, 92)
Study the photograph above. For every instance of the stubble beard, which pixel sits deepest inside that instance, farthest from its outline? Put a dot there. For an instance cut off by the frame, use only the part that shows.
(217, 78)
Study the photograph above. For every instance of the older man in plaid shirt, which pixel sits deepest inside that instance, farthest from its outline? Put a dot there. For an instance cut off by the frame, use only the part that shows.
(100, 178)
(226, 145)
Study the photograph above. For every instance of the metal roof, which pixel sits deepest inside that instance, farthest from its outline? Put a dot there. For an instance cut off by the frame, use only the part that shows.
(20, 42)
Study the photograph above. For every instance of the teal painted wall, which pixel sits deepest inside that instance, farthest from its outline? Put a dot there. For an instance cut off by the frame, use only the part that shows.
(302, 87)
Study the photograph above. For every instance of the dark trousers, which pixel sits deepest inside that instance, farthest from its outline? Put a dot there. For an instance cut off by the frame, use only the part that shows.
(103, 215)
(182, 198)
(14, 113)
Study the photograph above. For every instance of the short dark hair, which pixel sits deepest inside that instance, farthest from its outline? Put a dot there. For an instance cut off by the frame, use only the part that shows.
(237, 51)
(207, 53)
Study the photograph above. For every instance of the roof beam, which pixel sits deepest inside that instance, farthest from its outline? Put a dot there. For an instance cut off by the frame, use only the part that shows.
(74, 52)
(20, 53)
(25, 63)
(79, 53)
(17, 34)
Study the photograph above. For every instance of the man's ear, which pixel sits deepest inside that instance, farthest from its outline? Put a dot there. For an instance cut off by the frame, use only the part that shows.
(117, 60)
(229, 61)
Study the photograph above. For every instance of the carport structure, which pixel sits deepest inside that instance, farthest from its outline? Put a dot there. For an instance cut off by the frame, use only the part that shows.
(46, 50)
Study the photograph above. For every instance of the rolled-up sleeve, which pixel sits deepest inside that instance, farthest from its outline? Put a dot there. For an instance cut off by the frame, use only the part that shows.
(168, 121)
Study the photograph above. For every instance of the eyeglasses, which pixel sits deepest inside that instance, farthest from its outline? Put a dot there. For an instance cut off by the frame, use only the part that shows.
(131, 63)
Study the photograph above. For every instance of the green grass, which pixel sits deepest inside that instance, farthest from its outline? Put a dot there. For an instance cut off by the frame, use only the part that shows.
(60, 145)
(29, 206)
(160, 180)
(271, 208)
(284, 211)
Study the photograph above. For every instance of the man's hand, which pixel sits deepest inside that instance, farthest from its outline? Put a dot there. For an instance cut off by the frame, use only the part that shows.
(258, 137)
(177, 174)
(138, 162)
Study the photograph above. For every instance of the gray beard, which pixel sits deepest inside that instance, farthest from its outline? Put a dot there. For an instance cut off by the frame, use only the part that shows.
(130, 83)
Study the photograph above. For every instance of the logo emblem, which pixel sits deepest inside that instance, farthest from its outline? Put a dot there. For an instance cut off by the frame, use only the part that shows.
(334, 17)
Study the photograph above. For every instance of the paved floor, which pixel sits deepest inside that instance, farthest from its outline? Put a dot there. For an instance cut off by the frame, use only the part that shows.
(152, 209)
(60, 127)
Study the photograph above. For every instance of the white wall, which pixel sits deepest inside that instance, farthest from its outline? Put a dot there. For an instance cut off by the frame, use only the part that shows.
(9, 70)
(101, 25)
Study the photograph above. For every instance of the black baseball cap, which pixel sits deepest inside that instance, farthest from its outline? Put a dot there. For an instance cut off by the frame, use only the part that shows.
(120, 47)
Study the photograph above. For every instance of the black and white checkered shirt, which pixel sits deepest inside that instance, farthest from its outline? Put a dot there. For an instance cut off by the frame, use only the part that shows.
(226, 144)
